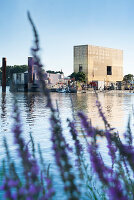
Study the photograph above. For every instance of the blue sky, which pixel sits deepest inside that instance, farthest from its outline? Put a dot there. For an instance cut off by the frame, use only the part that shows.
(61, 25)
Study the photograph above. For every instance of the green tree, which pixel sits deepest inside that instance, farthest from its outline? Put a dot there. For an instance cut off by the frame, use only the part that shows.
(80, 76)
(73, 75)
(128, 77)
(13, 69)
(54, 72)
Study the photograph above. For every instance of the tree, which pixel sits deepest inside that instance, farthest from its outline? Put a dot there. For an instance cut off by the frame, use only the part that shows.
(13, 69)
(54, 72)
(128, 77)
(80, 76)
(18, 69)
(73, 75)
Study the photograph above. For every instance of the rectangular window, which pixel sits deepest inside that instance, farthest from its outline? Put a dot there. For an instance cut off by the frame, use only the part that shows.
(80, 68)
(109, 70)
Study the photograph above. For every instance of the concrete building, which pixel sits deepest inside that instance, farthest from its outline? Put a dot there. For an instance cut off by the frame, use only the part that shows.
(100, 64)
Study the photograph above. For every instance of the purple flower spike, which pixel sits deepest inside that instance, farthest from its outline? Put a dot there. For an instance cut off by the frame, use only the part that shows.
(86, 125)
(50, 191)
(13, 183)
(60, 146)
(107, 125)
(74, 134)
(115, 189)
(111, 146)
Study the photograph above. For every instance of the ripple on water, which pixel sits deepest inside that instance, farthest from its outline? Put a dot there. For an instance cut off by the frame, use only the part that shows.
(35, 116)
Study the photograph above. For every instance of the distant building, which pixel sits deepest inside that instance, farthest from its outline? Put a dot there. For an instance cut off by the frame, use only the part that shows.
(29, 81)
(19, 82)
(18, 78)
(55, 78)
(100, 64)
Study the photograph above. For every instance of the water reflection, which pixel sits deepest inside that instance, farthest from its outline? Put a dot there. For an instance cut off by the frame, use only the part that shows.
(4, 122)
(35, 115)
(35, 118)
(29, 99)
(3, 105)
(116, 107)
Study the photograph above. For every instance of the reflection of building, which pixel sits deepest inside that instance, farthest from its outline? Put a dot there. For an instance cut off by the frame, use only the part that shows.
(111, 104)
(99, 63)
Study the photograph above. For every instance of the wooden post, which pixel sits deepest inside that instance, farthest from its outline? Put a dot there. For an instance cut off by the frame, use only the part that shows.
(3, 74)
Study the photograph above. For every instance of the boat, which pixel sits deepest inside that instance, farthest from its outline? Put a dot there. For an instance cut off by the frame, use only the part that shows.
(67, 90)
(61, 90)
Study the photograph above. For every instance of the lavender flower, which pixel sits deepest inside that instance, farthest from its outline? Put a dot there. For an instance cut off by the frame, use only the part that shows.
(38, 65)
(127, 152)
(50, 191)
(128, 133)
(62, 159)
(86, 125)
(74, 134)
(115, 189)
(78, 146)
(59, 142)
(31, 169)
(112, 148)
(107, 125)
(7, 188)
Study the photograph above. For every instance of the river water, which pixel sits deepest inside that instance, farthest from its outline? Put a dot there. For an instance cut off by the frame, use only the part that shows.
(35, 116)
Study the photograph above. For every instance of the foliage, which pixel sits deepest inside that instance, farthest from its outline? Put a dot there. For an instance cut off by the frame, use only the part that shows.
(80, 76)
(128, 77)
(13, 69)
(54, 72)
(115, 180)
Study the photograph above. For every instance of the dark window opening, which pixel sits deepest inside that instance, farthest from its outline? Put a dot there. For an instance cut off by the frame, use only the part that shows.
(109, 70)
(80, 68)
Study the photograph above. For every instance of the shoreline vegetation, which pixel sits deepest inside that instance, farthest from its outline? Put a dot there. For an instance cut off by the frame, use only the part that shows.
(78, 178)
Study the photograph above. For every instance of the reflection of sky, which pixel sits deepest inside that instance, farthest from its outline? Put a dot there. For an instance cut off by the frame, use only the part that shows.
(35, 118)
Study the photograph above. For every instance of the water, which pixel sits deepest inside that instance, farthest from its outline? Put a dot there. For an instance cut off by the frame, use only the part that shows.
(35, 117)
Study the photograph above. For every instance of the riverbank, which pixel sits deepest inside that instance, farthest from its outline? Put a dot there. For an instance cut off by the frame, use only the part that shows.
(107, 91)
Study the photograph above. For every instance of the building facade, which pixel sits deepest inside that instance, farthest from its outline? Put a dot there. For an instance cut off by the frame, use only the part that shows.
(99, 63)
(55, 78)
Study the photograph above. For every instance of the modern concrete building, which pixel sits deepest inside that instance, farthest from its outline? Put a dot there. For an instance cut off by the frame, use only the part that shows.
(100, 64)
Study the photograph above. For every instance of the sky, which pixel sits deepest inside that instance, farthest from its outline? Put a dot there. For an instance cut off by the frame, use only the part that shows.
(62, 24)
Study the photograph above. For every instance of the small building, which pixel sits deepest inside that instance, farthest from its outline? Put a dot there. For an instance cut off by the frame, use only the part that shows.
(28, 81)
(100, 64)
(19, 82)
(55, 78)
